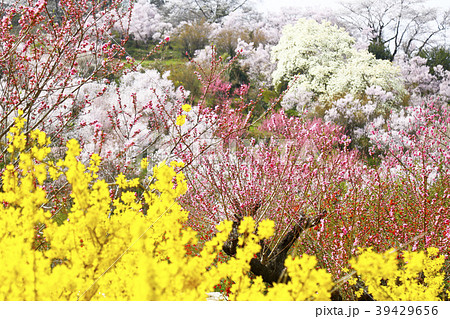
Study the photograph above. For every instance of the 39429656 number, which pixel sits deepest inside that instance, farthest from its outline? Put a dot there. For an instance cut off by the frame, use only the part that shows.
(406, 310)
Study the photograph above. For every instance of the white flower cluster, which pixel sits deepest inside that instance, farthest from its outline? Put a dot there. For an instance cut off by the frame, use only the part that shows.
(125, 113)
(147, 24)
(324, 59)
(362, 117)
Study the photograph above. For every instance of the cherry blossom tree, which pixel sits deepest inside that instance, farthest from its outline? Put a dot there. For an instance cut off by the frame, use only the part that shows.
(418, 80)
(147, 23)
(123, 122)
(255, 60)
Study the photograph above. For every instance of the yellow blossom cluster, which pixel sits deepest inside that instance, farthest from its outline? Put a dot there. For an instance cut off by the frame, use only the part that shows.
(181, 119)
(127, 249)
(418, 277)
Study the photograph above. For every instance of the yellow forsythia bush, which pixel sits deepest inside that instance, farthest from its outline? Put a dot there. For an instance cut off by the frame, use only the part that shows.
(418, 278)
(109, 250)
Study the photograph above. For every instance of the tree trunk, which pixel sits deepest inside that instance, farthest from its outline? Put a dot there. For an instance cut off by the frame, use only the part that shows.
(270, 263)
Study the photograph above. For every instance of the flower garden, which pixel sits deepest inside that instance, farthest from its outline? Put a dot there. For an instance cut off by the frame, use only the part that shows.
(117, 183)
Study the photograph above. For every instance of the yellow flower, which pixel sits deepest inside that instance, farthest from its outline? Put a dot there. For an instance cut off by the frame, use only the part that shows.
(403, 283)
(144, 163)
(432, 251)
(352, 281)
(133, 183)
(186, 107)
(121, 181)
(19, 142)
(94, 163)
(176, 164)
(95, 159)
(247, 225)
(266, 228)
(181, 119)
(53, 170)
(73, 147)
(39, 136)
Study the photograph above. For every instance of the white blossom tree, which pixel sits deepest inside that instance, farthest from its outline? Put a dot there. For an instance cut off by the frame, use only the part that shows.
(329, 77)
(240, 24)
(322, 59)
(130, 117)
(147, 23)
(255, 60)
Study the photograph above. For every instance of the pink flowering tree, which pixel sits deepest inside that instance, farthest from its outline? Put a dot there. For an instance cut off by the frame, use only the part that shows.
(403, 203)
(292, 178)
(46, 59)
(418, 159)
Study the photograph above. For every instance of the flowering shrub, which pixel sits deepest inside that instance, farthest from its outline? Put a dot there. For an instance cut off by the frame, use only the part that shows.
(417, 161)
(400, 203)
(296, 170)
(128, 117)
